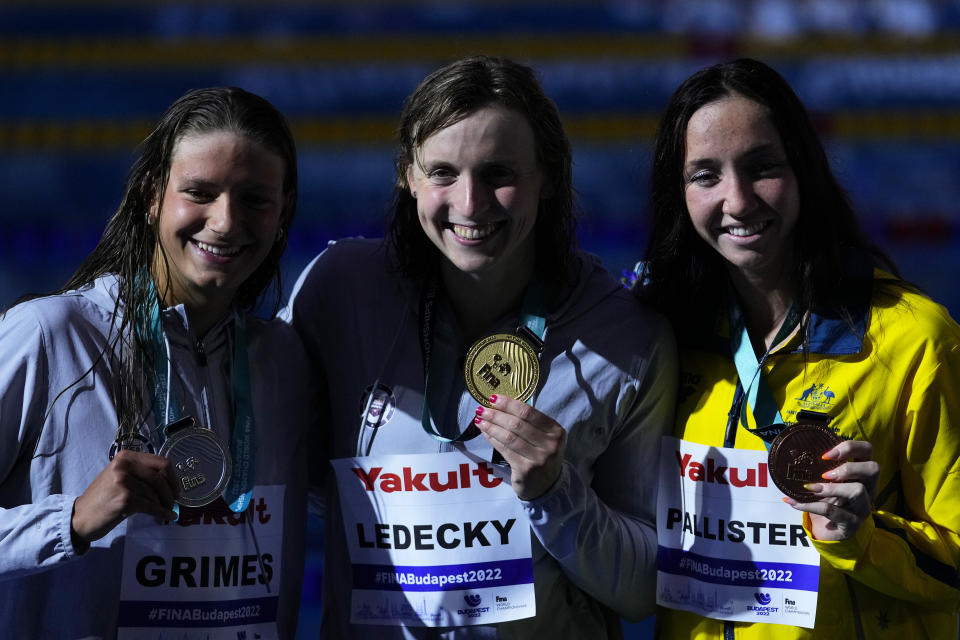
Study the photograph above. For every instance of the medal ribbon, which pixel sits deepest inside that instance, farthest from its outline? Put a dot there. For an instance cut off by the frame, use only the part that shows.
(757, 394)
(532, 328)
(238, 492)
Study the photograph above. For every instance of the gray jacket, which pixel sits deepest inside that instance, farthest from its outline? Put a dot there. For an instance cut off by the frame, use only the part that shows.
(609, 376)
(48, 345)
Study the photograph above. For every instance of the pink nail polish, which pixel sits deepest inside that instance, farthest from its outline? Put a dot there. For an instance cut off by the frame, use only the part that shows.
(493, 399)
(477, 420)
(479, 411)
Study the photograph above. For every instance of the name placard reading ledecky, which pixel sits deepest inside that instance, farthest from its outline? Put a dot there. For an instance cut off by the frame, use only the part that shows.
(728, 547)
(435, 540)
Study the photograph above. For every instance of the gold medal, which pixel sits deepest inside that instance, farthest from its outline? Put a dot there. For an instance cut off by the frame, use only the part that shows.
(503, 364)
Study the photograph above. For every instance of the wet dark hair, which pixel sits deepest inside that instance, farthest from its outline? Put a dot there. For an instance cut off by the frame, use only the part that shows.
(683, 276)
(447, 96)
(128, 245)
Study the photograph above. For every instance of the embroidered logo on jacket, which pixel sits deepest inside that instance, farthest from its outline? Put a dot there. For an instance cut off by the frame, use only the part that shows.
(816, 397)
(377, 406)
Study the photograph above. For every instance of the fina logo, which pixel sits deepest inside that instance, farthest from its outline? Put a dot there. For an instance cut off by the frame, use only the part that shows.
(763, 598)
(472, 599)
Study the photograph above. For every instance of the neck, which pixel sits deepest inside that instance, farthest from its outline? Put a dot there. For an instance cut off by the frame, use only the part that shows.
(203, 311)
(765, 305)
(479, 301)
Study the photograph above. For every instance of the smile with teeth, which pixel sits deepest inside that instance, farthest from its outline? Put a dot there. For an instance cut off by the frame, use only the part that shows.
(478, 232)
(221, 251)
(746, 230)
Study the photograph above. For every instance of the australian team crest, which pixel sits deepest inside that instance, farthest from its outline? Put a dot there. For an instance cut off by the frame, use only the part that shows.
(817, 397)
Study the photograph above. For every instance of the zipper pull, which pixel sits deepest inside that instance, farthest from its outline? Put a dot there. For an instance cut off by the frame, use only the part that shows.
(201, 353)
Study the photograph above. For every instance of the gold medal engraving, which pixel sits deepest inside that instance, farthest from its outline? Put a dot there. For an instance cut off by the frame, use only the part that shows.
(501, 364)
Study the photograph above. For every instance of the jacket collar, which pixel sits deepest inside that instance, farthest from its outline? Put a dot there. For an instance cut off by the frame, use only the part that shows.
(828, 332)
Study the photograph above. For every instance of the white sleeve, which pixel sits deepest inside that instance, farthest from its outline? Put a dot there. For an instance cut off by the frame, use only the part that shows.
(34, 536)
(603, 535)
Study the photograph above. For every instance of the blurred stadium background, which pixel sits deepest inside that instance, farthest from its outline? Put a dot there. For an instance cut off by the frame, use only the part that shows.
(82, 81)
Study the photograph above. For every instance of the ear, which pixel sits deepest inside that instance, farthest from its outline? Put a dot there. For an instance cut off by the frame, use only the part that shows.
(153, 213)
(153, 209)
(411, 187)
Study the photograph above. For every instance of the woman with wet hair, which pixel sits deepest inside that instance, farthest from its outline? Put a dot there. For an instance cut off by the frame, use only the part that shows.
(480, 252)
(787, 315)
(152, 478)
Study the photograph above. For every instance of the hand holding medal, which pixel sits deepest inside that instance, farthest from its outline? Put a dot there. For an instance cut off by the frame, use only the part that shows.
(133, 482)
(843, 497)
(201, 465)
(530, 441)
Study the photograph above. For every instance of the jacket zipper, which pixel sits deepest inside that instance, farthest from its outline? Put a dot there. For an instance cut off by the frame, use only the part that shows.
(201, 353)
(729, 441)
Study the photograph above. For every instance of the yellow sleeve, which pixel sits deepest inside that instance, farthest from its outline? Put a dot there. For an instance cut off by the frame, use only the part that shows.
(914, 555)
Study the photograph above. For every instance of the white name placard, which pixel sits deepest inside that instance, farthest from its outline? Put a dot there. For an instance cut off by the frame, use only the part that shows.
(435, 539)
(728, 546)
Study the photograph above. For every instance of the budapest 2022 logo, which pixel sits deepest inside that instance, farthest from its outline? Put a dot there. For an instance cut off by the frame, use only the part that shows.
(763, 599)
(473, 599)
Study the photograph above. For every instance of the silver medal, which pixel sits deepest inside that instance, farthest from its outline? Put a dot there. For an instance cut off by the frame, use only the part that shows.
(201, 464)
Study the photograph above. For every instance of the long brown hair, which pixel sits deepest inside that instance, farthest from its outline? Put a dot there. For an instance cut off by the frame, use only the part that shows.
(129, 242)
(447, 96)
(683, 276)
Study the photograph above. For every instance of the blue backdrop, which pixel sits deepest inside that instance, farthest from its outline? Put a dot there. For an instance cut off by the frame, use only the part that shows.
(82, 82)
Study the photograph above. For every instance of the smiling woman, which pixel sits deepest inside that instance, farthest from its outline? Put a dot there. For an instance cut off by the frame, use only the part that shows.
(221, 215)
(478, 189)
(143, 393)
(791, 322)
(479, 297)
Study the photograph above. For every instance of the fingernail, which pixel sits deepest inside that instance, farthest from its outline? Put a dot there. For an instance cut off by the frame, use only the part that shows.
(477, 420)
(493, 399)
(786, 500)
(812, 486)
(479, 411)
(829, 475)
(827, 456)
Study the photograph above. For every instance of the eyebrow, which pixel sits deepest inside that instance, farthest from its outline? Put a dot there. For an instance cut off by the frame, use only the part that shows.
(759, 150)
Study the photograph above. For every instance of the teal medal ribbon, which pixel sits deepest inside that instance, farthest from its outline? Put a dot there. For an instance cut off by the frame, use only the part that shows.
(166, 407)
(532, 328)
(757, 394)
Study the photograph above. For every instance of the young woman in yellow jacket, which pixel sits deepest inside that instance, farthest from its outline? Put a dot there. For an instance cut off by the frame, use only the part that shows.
(748, 216)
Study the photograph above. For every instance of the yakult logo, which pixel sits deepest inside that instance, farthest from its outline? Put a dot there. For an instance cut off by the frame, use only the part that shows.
(712, 472)
(407, 480)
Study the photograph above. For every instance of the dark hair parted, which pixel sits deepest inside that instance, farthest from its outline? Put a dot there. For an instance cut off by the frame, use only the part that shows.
(683, 275)
(447, 96)
(129, 243)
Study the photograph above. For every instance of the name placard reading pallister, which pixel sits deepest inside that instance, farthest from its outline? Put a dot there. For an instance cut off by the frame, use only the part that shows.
(728, 547)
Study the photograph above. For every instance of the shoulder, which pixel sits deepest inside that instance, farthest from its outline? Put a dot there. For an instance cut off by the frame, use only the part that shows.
(905, 320)
(602, 303)
(349, 274)
(343, 265)
(350, 257)
(58, 316)
(606, 318)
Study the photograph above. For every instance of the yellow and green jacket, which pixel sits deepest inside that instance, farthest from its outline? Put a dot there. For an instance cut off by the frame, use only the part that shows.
(894, 381)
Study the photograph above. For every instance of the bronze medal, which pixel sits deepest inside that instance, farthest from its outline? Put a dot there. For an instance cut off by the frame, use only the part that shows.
(795, 458)
(503, 364)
